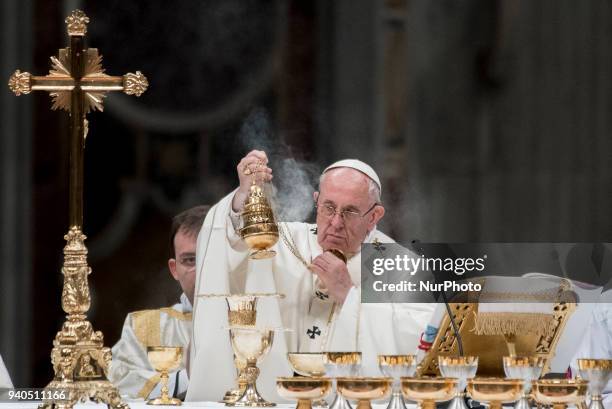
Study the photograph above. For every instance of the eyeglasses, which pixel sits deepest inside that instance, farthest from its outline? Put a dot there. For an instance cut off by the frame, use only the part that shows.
(346, 215)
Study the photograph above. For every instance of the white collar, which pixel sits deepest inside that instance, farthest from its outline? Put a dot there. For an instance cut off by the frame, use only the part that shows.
(185, 304)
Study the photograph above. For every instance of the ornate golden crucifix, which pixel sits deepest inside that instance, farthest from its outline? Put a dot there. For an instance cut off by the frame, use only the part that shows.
(77, 84)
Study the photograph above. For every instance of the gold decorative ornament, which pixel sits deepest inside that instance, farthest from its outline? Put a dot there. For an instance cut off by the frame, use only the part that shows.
(165, 359)
(77, 23)
(135, 84)
(19, 83)
(77, 84)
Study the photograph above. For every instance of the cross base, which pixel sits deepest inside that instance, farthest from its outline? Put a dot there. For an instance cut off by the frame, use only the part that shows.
(99, 391)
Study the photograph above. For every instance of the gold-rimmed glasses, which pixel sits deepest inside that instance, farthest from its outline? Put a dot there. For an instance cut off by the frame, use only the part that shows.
(346, 215)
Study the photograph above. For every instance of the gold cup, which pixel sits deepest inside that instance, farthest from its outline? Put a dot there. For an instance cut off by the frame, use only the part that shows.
(427, 391)
(260, 231)
(250, 345)
(462, 368)
(364, 389)
(495, 391)
(396, 367)
(303, 389)
(338, 364)
(165, 359)
(560, 392)
(598, 372)
(527, 368)
(311, 364)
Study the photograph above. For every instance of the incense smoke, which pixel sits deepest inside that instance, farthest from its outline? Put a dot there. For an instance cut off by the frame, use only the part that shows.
(294, 181)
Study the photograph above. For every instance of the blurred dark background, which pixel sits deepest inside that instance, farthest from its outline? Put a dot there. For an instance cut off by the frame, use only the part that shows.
(487, 120)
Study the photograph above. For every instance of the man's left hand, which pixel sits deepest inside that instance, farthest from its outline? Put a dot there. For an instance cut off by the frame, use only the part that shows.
(334, 274)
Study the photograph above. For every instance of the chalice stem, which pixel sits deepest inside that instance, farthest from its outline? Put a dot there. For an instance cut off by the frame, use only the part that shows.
(304, 404)
(595, 403)
(428, 404)
(164, 390)
(364, 404)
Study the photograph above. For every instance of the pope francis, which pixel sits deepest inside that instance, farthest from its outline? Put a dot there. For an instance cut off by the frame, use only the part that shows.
(322, 310)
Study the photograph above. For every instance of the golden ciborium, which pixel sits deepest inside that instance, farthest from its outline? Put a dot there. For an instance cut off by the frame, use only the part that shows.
(364, 389)
(250, 345)
(495, 391)
(396, 367)
(427, 391)
(259, 231)
(560, 392)
(598, 372)
(164, 360)
(303, 389)
(527, 368)
(341, 364)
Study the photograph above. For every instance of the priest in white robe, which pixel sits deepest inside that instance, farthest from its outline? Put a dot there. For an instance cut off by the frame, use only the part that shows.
(130, 368)
(5, 379)
(322, 309)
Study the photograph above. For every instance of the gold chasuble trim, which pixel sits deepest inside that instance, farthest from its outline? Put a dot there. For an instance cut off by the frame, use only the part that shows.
(146, 326)
(183, 316)
(148, 386)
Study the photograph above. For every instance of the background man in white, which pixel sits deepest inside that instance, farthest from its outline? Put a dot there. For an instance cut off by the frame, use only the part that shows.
(322, 306)
(130, 367)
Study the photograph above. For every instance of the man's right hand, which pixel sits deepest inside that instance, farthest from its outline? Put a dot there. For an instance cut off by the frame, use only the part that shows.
(253, 165)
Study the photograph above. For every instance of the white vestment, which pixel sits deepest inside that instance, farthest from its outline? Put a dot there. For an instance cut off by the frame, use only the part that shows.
(313, 322)
(597, 344)
(130, 368)
(5, 379)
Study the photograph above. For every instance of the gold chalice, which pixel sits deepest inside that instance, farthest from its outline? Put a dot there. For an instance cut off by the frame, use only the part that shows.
(527, 368)
(310, 364)
(164, 360)
(427, 391)
(250, 345)
(462, 368)
(396, 367)
(303, 389)
(495, 391)
(598, 372)
(560, 392)
(241, 310)
(341, 364)
(260, 231)
(363, 389)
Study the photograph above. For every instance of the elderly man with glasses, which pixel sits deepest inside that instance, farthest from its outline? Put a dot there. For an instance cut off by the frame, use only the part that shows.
(317, 268)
